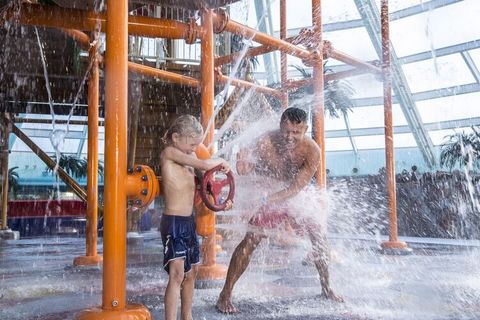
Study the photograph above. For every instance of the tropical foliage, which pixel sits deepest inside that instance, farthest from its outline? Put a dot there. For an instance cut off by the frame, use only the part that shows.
(462, 149)
(337, 94)
(74, 166)
(13, 181)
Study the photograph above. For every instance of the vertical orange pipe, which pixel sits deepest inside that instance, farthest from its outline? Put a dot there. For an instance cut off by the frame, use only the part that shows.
(393, 242)
(208, 86)
(116, 88)
(7, 128)
(92, 161)
(208, 75)
(318, 113)
(283, 55)
(91, 257)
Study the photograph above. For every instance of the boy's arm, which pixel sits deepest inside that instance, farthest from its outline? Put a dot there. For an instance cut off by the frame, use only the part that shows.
(191, 161)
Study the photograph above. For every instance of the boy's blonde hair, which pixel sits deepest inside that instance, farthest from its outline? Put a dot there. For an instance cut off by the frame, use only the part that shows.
(185, 126)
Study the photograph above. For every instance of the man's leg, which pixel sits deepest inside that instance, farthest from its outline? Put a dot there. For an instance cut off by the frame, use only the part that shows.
(187, 293)
(321, 257)
(238, 264)
(172, 291)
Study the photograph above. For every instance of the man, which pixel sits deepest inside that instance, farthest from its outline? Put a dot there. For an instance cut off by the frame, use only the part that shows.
(285, 155)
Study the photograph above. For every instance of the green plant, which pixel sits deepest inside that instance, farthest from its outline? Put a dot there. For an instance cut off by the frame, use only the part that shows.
(13, 178)
(337, 93)
(72, 165)
(462, 149)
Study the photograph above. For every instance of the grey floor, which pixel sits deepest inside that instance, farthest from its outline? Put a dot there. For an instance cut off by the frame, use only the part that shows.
(440, 280)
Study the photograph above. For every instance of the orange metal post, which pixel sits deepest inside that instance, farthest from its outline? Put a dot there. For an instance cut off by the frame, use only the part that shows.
(7, 128)
(318, 114)
(209, 269)
(393, 242)
(340, 56)
(283, 55)
(114, 238)
(91, 257)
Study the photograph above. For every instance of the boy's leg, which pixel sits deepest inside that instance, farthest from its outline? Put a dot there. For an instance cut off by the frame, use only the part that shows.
(238, 264)
(321, 256)
(172, 291)
(187, 293)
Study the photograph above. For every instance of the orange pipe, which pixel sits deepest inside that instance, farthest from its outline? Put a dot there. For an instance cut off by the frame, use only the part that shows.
(208, 75)
(249, 85)
(66, 18)
(295, 84)
(7, 128)
(340, 56)
(319, 116)
(283, 55)
(209, 268)
(260, 37)
(249, 53)
(164, 75)
(79, 36)
(92, 161)
(116, 88)
(393, 242)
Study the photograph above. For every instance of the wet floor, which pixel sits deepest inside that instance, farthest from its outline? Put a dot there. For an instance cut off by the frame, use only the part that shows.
(440, 280)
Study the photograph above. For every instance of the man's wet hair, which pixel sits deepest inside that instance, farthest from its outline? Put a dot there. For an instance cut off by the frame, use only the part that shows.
(294, 115)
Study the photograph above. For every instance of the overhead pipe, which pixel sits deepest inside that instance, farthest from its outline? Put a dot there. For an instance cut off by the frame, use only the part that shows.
(223, 23)
(164, 75)
(67, 18)
(247, 85)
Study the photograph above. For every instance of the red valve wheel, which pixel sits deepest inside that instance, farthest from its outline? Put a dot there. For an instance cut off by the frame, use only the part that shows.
(213, 187)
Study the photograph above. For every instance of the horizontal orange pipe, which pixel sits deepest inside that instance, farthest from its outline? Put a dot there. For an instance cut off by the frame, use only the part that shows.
(245, 84)
(66, 18)
(295, 84)
(344, 74)
(340, 56)
(263, 38)
(164, 75)
(79, 36)
(249, 53)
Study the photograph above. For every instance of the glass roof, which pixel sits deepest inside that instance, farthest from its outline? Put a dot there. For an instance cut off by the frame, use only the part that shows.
(438, 51)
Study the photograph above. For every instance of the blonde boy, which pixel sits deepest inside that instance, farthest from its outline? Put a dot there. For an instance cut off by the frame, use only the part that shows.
(177, 227)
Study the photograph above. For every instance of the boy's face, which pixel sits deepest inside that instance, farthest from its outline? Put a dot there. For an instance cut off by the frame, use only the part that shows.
(186, 144)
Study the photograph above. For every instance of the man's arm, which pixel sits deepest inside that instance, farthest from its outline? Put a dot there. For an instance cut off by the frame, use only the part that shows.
(245, 157)
(179, 157)
(303, 178)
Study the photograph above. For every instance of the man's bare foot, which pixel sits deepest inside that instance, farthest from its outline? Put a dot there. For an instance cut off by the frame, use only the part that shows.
(330, 295)
(226, 306)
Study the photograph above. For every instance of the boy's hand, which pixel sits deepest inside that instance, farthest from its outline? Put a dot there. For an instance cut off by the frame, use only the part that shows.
(228, 205)
(225, 166)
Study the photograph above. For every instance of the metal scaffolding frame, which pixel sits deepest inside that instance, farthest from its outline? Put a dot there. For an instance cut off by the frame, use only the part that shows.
(371, 17)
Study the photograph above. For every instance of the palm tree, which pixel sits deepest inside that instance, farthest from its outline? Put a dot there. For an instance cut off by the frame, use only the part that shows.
(72, 165)
(338, 93)
(462, 148)
(13, 181)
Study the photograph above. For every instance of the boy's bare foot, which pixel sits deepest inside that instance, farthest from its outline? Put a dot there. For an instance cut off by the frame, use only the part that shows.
(330, 295)
(226, 306)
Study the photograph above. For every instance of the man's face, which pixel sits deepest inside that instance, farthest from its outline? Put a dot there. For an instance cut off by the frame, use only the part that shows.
(292, 133)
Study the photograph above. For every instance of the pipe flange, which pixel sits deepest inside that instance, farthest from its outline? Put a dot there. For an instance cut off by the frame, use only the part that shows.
(192, 33)
(222, 20)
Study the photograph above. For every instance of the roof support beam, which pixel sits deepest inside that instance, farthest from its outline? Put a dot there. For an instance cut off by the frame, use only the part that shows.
(371, 18)
(264, 17)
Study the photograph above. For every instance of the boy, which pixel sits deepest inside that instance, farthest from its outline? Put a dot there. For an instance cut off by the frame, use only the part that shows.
(177, 227)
